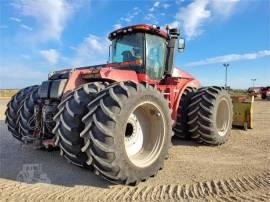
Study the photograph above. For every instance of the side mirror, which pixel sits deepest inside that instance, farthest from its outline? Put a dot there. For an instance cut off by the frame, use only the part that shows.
(181, 45)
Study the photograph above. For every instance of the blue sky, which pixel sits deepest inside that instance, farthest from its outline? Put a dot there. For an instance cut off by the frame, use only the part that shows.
(38, 36)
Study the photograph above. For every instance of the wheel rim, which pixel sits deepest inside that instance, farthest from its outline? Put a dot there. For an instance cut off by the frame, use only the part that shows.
(144, 134)
(223, 117)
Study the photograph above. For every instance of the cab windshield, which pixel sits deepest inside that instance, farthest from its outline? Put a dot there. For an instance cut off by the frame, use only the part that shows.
(128, 48)
(155, 56)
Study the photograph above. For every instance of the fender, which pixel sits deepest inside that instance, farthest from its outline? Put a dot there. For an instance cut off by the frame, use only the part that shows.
(82, 76)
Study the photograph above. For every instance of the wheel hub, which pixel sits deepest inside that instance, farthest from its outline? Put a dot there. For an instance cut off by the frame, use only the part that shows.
(223, 117)
(144, 134)
(133, 135)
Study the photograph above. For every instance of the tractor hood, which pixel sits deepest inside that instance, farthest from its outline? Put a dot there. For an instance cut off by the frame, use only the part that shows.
(114, 72)
(177, 72)
(96, 69)
(127, 66)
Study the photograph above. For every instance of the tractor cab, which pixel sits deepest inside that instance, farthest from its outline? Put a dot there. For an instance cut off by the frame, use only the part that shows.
(150, 49)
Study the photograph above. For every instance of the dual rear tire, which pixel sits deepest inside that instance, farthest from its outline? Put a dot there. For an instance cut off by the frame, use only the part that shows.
(210, 115)
(204, 115)
(181, 125)
(17, 110)
(26, 119)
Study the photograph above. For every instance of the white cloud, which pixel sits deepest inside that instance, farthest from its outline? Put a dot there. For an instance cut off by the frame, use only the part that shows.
(15, 19)
(230, 58)
(129, 18)
(193, 17)
(93, 50)
(117, 26)
(165, 5)
(26, 27)
(51, 16)
(151, 18)
(224, 7)
(51, 55)
(156, 4)
(152, 9)
(136, 13)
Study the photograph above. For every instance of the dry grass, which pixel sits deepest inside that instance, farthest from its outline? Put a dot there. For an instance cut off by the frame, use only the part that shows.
(7, 93)
(237, 92)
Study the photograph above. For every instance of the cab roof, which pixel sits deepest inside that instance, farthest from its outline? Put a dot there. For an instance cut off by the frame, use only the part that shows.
(139, 27)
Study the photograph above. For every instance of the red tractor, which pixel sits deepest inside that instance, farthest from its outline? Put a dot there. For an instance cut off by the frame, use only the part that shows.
(265, 92)
(119, 118)
(254, 91)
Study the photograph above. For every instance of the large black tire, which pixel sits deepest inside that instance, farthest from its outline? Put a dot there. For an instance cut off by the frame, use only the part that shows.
(26, 119)
(210, 115)
(110, 129)
(181, 127)
(263, 96)
(69, 123)
(13, 108)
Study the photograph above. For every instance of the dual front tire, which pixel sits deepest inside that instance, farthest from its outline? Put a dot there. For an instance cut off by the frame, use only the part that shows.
(69, 123)
(129, 132)
(122, 131)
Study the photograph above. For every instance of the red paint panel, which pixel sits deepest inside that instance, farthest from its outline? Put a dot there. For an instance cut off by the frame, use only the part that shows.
(74, 80)
(118, 74)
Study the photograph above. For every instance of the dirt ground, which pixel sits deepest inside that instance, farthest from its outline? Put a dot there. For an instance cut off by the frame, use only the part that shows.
(236, 171)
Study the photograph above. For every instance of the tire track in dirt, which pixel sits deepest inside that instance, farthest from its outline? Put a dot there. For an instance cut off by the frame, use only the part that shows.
(258, 195)
(245, 188)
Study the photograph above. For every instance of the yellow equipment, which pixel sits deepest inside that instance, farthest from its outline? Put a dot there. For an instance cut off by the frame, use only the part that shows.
(243, 111)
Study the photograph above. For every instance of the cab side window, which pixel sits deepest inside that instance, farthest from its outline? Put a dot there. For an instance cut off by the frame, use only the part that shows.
(155, 56)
